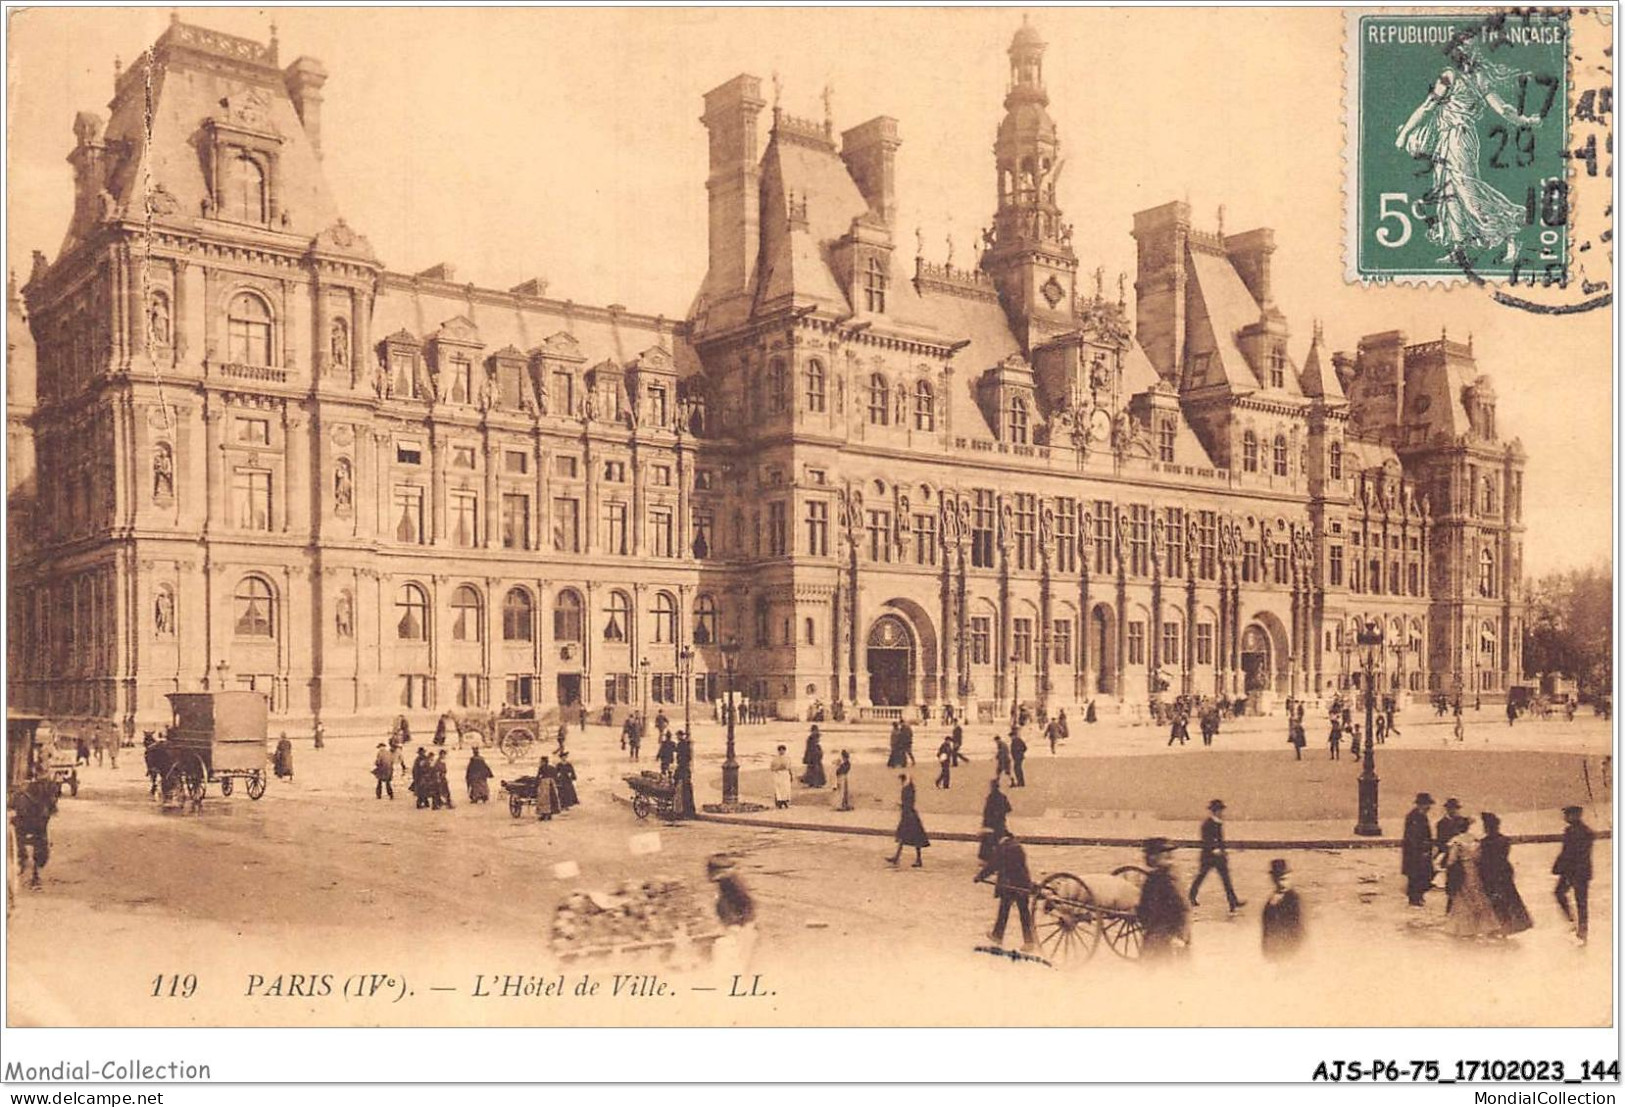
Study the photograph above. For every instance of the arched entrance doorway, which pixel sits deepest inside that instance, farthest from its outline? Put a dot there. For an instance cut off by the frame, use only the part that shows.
(891, 662)
(1257, 672)
(1103, 650)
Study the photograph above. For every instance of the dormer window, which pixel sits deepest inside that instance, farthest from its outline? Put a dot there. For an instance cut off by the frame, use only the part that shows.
(1019, 420)
(874, 286)
(462, 380)
(1337, 461)
(1277, 366)
(248, 330)
(244, 194)
(1165, 440)
(879, 400)
(1279, 455)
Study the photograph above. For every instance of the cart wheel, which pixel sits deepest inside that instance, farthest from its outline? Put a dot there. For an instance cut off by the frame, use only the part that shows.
(640, 805)
(226, 785)
(515, 742)
(516, 806)
(1123, 936)
(197, 786)
(1065, 925)
(256, 785)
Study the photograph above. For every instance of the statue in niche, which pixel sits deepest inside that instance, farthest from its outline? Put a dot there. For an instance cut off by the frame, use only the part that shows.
(343, 487)
(163, 612)
(339, 344)
(163, 472)
(158, 320)
(344, 616)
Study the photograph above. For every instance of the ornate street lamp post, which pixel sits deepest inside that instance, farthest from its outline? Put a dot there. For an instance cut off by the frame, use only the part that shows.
(1015, 687)
(643, 681)
(730, 764)
(1369, 642)
(685, 666)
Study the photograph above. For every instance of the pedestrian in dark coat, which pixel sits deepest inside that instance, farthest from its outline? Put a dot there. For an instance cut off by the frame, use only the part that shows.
(1061, 721)
(1335, 739)
(440, 731)
(666, 754)
(1018, 758)
(813, 758)
(1215, 858)
(1176, 731)
(1164, 918)
(565, 781)
(1495, 874)
(1013, 886)
(683, 774)
(1053, 733)
(1450, 825)
(478, 778)
(1001, 758)
(634, 737)
(995, 813)
(905, 739)
(1573, 871)
(945, 759)
(958, 737)
(1089, 712)
(1416, 850)
(442, 776)
(910, 831)
(383, 771)
(1283, 915)
(282, 760)
(896, 760)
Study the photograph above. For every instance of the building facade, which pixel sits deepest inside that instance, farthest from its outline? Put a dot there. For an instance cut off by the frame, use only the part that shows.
(261, 459)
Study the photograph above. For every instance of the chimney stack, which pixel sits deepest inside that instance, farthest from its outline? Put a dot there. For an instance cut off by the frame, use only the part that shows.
(1161, 237)
(731, 112)
(304, 80)
(870, 153)
(1250, 253)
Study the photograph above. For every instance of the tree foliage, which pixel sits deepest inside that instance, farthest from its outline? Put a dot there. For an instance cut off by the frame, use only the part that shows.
(1570, 627)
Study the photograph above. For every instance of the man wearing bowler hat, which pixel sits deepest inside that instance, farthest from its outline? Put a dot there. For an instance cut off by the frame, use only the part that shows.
(1573, 870)
(1214, 856)
(1452, 824)
(1164, 918)
(1283, 915)
(1416, 850)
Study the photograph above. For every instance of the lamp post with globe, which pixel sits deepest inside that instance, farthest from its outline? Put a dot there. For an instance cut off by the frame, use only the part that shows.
(1369, 643)
(730, 764)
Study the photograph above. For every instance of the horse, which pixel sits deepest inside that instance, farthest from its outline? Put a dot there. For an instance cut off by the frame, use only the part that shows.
(32, 806)
(160, 758)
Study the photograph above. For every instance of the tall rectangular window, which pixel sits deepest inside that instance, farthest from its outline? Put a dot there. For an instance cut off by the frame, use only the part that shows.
(818, 528)
(519, 691)
(925, 539)
(515, 521)
(463, 511)
(778, 529)
(567, 524)
(408, 503)
(1026, 530)
(470, 689)
(1334, 565)
(1207, 545)
(1139, 539)
(1021, 640)
(662, 541)
(1136, 643)
(1204, 643)
(657, 405)
(615, 536)
(1251, 566)
(1166, 434)
(251, 489)
(1282, 567)
(705, 526)
(1066, 535)
(561, 399)
(981, 640)
(981, 528)
(1173, 534)
(879, 536)
(1061, 641)
(1103, 537)
(1170, 645)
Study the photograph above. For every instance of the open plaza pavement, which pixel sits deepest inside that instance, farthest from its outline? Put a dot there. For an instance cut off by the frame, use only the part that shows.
(320, 880)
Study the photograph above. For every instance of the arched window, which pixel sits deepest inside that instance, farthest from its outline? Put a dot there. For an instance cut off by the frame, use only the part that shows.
(925, 407)
(1487, 496)
(412, 614)
(248, 330)
(1249, 452)
(466, 615)
(815, 385)
(567, 616)
(256, 610)
(244, 193)
(1279, 458)
(705, 621)
(1487, 642)
(778, 386)
(1486, 573)
(617, 617)
(879, 400)
(1337, 461)
(517, 612)
(665, 617)
(1018, 420)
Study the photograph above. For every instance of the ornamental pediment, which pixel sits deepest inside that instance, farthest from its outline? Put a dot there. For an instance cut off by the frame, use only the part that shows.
(509, 352)
(459, 329)
(562, 346)
(656, 359)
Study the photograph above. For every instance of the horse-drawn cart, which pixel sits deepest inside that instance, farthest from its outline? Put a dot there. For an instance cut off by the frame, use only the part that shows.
(217, 736)
(1073, 914)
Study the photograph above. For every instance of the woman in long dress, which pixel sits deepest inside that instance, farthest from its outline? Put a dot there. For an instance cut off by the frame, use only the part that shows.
(1471, 915)
(1443, 131)
(478, 778)
(779, 770)
(813, 759)
(547, 791)
(564, 777)
(910, 831)
(843, 782)
(1495, 873)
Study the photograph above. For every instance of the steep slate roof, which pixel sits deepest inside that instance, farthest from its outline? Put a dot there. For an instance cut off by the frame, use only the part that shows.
(793, 259)
(1229, 307)
(1319, 378)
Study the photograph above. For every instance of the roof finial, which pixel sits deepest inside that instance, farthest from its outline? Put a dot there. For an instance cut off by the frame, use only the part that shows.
(1221, 220)
(118, 68)
(1122, 288)
(829, 106)
(949, 264)
(1100, 283)
(1469, 342)
(1444, 332)
(778, 91)
(919, 241)
(174, 16)
(1320, 331)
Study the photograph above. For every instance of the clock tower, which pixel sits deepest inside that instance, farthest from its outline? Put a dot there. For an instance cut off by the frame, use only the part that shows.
(1029, 251)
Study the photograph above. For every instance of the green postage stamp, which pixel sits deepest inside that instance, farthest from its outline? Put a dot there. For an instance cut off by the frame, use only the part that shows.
(1457, 132)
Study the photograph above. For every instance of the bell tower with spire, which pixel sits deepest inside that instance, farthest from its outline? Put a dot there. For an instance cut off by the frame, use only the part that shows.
(1029, 253)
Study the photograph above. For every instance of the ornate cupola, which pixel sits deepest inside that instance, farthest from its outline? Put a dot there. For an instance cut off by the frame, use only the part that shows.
(1029, 253)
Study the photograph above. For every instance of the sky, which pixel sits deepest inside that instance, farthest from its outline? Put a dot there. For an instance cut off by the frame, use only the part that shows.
(567, 144)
